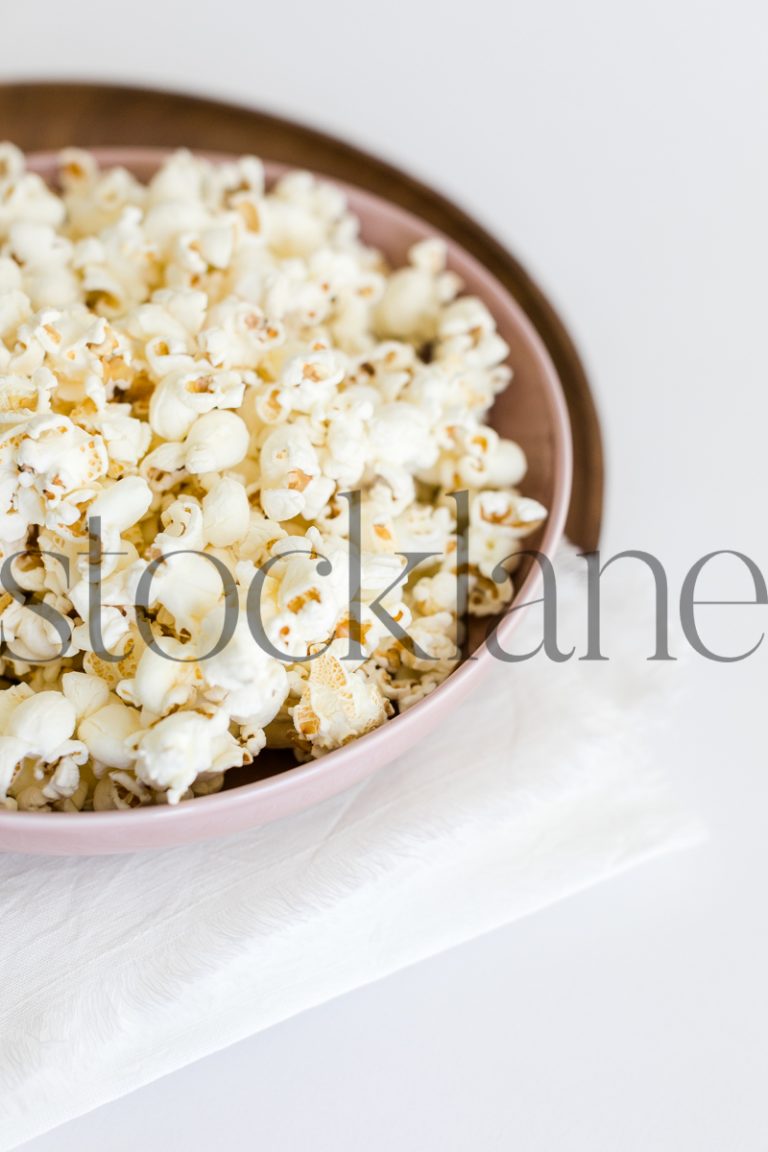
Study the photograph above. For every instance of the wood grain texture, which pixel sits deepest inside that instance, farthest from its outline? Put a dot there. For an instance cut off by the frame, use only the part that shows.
(53, 115)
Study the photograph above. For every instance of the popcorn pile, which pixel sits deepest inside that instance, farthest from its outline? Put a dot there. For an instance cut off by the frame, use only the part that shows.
(208, 367)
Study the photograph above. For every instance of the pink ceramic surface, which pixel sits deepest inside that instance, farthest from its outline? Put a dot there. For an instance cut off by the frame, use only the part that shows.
(531, 411)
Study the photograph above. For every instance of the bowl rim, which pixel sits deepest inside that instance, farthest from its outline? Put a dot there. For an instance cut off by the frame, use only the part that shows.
(396, 731)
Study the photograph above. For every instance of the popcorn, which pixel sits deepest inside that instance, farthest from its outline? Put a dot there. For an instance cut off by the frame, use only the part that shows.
(400, 437)
(466, 331)
(125, 438)
(23, 195)
(337, 704)
(306, 600)
(175, 751)
(47, 465)
(119, 506)
(215, 443)
(106, 731)
(424, 528)
(160, 684)
(188, 586)
(239, 335)
(247, 683)
(29, 636)
(183, 395)
(208, 368)
(409, 307)
(43, 722)
(119, 790)
(498, 520)
(39, 727)
(292, 481)
(87, 694)
(183, 527)
(226, 512)
(65, 778)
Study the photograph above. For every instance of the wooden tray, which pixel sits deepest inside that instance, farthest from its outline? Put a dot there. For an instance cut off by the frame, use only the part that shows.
(40, 116)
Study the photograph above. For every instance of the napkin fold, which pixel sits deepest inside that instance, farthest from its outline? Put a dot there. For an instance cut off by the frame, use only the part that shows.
(118, 970)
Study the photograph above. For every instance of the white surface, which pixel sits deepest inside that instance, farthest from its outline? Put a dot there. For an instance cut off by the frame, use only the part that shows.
(537, 788)
(620, 152)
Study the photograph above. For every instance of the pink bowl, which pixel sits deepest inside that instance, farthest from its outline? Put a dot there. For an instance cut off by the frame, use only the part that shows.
(532, 411)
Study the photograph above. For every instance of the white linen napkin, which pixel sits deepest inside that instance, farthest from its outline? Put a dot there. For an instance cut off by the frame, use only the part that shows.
(117, 970)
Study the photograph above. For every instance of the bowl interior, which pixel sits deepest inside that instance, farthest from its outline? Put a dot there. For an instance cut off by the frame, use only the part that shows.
(531, 411)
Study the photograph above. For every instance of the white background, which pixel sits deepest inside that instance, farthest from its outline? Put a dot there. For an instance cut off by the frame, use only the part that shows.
(620, 151)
